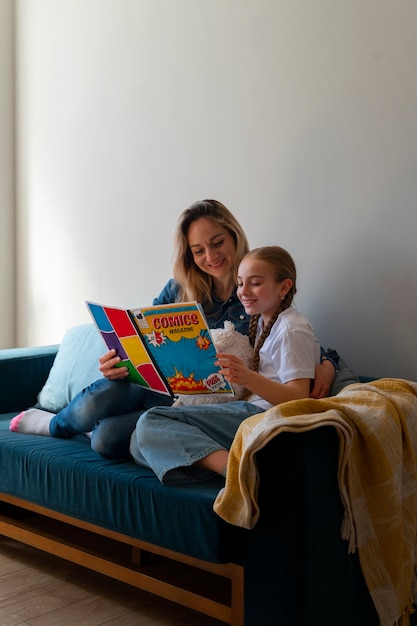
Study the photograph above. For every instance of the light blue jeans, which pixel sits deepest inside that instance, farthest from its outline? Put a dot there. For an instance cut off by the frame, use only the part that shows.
(170, 440)
(110, 410)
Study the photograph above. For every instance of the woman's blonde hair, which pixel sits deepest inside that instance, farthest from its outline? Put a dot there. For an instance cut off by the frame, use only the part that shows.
(194, 284)
(284, 267)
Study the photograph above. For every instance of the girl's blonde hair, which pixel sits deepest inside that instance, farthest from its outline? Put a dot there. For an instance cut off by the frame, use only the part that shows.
(284, 267)
(194, 284)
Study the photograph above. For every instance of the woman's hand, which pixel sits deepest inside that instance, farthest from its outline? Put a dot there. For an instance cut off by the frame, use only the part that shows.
(325, 374)
(107, 366)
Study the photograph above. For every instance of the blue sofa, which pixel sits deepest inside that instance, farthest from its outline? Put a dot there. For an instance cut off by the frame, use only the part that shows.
(292, 569)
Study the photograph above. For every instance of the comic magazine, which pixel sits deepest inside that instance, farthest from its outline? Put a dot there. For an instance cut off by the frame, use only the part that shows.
(166, 348)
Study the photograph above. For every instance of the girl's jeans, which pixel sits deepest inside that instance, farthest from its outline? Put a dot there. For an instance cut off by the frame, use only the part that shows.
(170, 440)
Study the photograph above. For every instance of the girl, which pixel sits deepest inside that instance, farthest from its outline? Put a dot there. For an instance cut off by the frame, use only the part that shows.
(181, 443)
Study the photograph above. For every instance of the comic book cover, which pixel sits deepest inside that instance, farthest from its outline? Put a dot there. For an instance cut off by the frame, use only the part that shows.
(167, 348)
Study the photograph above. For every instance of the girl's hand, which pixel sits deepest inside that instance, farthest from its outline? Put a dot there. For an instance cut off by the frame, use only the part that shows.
(233, 369)
(107, 366)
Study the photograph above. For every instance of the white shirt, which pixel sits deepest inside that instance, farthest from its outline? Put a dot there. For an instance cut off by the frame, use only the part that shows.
(291, 351)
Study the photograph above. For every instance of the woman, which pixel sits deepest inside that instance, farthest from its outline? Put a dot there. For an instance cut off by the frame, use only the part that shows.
(209, 244)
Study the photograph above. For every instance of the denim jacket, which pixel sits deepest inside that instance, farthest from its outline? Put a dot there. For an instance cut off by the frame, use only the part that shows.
(220, 311)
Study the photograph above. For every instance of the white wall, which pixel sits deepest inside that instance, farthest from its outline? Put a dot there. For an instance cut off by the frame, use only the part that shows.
(299, 115)
(7, 181)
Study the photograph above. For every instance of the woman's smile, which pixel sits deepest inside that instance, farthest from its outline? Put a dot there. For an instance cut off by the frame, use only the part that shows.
(216, 264)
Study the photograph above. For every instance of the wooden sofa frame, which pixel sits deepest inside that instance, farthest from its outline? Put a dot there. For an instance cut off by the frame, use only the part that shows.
(128, 560)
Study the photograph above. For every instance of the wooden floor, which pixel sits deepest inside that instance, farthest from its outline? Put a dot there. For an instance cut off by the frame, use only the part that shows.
(37, 589)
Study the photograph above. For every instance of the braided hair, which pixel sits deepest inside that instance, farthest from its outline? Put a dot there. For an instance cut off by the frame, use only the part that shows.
(284, 267)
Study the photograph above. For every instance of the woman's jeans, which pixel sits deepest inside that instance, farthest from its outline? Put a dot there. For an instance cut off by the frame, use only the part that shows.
(110, 410)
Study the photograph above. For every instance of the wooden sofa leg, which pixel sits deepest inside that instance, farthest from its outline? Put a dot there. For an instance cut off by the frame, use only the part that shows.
(140, 556)
(237, 603)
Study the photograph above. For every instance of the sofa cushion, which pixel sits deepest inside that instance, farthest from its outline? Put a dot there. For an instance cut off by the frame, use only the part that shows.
(75, 367)
(23, 371)
(67, 476)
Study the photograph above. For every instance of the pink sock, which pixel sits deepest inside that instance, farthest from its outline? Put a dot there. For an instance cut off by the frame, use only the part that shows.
(32, 422)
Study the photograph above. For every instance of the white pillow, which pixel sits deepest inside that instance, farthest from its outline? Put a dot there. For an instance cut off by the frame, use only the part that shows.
(75, 367)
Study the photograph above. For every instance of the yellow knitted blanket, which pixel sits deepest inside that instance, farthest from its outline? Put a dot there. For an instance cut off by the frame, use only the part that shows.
(377, 473)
